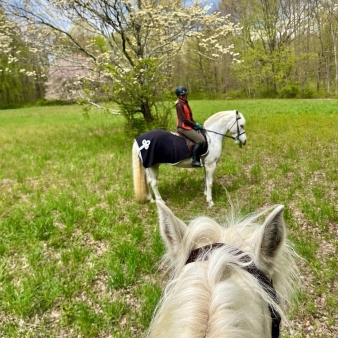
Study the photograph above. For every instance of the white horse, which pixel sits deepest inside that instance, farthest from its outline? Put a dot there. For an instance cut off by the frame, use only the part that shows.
(217, 126)
(233, 280)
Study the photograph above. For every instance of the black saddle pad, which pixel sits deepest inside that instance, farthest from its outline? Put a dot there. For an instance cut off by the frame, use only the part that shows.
(161, 146)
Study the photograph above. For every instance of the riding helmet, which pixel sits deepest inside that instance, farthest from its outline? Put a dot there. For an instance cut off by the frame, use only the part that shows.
(181, 90)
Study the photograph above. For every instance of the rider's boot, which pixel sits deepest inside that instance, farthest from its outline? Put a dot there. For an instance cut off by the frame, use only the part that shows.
(196, 161)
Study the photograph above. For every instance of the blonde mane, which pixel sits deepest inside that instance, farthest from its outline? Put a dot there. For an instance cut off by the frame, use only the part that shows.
(217, 116)
(217, 297)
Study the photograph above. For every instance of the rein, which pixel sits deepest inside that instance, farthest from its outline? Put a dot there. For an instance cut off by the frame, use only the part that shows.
(263, 280)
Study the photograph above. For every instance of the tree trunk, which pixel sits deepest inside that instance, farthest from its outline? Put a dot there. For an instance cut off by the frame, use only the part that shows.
(334, 39)
(200, 63)
(146, 112)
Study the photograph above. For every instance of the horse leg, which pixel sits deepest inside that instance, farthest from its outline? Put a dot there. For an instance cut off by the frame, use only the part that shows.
(152, 174)
(209, 170)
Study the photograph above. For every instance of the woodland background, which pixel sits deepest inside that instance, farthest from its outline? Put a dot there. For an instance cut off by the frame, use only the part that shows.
(284, 48)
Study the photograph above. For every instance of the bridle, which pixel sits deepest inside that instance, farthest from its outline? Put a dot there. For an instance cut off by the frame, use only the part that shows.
(263, 280)
(225, 135)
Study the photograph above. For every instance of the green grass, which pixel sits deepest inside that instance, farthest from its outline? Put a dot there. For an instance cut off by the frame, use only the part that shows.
(79, 257)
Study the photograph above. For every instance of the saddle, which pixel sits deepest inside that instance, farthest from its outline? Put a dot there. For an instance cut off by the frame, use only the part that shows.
(190, 143)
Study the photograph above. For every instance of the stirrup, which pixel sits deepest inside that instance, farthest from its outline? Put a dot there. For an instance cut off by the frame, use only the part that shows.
(196, 164)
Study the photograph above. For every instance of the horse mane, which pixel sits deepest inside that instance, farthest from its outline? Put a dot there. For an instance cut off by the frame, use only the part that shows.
(210, 299)
(218, 115)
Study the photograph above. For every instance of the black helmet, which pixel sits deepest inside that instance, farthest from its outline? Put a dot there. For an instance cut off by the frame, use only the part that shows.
(181, 90)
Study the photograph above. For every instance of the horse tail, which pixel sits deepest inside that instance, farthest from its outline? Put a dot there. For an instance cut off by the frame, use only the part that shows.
(139, 176)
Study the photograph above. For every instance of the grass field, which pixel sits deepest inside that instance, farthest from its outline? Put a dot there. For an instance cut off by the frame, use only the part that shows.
(79, 257)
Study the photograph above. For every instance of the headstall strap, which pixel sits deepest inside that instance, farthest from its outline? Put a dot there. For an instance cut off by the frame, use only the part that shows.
(197, 252)
(263, 280)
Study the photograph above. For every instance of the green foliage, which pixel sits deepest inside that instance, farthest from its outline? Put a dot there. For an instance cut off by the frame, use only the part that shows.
(307, 93)
(139, 92)
(17, 88)
(101, 43)
(49, 103)
(265, 74)
(289, 91)
(142, 96)
(38, 103)
(232, 94)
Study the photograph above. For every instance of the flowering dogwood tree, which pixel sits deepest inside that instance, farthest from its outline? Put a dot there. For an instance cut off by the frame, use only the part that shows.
(130, 43)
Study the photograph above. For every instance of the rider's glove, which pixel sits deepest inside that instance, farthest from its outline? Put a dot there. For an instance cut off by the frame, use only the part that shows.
(199, 126)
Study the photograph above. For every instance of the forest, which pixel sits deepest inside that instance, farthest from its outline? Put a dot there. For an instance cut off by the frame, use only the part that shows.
(138, 52)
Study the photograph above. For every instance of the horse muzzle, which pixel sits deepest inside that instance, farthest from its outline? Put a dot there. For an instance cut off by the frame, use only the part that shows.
(241, 138)
(240, 142)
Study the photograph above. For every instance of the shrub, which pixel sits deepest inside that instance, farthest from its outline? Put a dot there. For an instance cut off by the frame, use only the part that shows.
(49, 103)
(290, 91)
(307, 93)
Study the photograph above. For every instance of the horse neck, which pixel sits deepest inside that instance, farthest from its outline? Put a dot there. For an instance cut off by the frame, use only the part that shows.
(219, 122)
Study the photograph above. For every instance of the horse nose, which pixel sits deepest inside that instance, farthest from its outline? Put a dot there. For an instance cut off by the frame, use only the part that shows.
(244, 143)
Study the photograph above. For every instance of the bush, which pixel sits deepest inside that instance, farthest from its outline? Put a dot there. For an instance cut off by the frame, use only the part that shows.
(12, 106)
(266, 92)
(290, 91)
(234, 94)
(162, 113)
(307, 93)
(48, 103)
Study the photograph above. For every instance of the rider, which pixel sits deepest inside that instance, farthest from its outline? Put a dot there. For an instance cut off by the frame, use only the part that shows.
(186, 124)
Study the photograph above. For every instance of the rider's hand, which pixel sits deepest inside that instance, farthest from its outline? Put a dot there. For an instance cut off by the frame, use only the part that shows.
(199, 126)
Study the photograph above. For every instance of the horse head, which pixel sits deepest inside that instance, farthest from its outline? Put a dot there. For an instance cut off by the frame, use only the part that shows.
(237, 129)
(231, 280)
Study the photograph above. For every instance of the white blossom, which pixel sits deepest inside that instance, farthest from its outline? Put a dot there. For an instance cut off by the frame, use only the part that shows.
(64, 29)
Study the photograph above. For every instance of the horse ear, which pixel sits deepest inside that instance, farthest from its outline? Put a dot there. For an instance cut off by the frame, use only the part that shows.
(273, 233)
(172, 228)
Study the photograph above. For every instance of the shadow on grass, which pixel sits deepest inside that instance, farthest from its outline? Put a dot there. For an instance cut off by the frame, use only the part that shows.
(190, 185)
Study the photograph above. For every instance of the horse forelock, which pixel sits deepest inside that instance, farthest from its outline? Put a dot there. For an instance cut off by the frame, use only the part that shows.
(214, 298)
(210, 298)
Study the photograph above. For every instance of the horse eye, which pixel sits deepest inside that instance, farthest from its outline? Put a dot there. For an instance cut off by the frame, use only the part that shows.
(242, 126)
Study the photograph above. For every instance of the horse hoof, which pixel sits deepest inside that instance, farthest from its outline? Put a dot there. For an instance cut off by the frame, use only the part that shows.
(211, 204)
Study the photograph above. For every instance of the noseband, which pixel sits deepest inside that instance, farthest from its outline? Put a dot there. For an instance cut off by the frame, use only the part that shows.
(263, 280)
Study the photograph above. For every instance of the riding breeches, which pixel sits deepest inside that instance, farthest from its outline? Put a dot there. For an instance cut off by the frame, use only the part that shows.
(191, 134)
